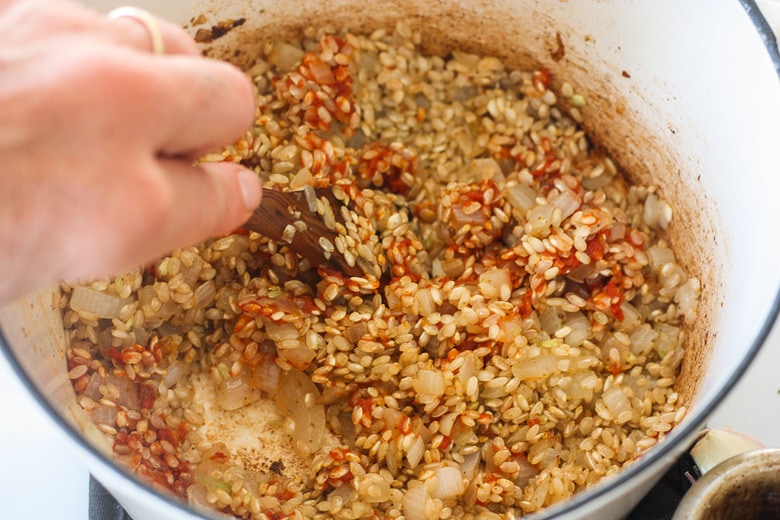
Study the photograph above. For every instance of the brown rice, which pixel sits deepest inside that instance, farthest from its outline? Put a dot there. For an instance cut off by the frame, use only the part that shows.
(524, 347)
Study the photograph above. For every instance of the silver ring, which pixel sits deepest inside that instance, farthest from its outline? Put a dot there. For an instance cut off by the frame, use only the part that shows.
(147, 19)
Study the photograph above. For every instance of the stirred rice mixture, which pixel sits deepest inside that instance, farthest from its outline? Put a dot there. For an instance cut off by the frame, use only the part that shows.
(522, 345)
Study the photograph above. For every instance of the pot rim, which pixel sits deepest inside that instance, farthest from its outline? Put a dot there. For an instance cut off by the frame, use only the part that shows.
(663, 450)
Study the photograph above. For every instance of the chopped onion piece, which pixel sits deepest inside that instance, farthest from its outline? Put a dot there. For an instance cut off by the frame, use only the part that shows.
(205, 294)
(93, 387)
(299, 357)
(86, 299)
(550, 319)
(449, 483)
(469, 368)
(580, 329)
(470, 464)
(521, 197)
(687, 298)
(616, 401)
(567, 202)
(631, 317)
(536, 368)
(356, 332)
(196, 497)
(128, 391)
(300, 400)
(642, 339)
(429, 381)
(175, 372)
(267, 375)
(281, 332)
(321, 72)
(235, 392)
(285, 56)
(416, 451)
(374, 489)
(496, 283)
(417, 503)
(659, 256)
(103, 414)
(526, 473)
(425, 300)
(453, 268)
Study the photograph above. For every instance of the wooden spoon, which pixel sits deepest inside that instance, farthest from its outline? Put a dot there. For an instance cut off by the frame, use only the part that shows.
(280, 212)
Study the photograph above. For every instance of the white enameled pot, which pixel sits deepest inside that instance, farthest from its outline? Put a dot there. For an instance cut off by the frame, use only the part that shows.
(684, 94)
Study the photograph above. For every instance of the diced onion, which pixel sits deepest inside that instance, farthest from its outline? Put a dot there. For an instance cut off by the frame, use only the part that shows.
(487, 169)
(429, 382)
(567, 202)
(300, 400)
(285, 56)
(205, 294)
(687, 298)
(521, 197)
(468, 369)
(659, 256)
(103, 414)
(449, 483)
(175, 372)
(356, 332)
(535, 368)
(496, 283)
(416, 503)
(416, 451)
(657, 213)
(582, 385)
(642, 339)
(85, 299)
(425, 300)
(540, 218)
(196, 497)
(550, 318)
(631, 317)
(453, 268)
(580, 329)
(470, 464)
(526, 473)
(374, 489)
(321, 72)
(128, 391)
(236, 392)
(616, 401)
(299, 357)
(281, 332)
(267, 375)
(93, 387)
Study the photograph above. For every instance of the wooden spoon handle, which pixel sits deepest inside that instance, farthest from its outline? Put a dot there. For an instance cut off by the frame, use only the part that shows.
(277, 217)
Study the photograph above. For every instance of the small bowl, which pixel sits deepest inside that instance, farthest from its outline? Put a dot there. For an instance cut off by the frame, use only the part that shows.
(745, 486)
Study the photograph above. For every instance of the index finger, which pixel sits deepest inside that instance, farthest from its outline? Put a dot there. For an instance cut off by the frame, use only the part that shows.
(204, 105)
(145, 31)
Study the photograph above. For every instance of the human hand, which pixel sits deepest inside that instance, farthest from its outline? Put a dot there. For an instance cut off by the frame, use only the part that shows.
(97, 141)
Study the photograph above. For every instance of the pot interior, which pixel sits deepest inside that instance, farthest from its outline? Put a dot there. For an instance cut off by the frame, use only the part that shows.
(667, 97)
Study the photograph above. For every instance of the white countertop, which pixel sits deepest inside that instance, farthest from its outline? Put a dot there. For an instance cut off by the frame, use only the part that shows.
(39, 461)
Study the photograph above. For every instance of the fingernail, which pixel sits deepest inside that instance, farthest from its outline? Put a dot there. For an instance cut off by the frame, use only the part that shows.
(250, 188)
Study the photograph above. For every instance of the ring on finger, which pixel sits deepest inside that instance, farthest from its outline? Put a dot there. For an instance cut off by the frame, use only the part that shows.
(147, 19)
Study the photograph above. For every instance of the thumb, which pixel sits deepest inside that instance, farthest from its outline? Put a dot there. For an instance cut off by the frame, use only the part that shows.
(241, 193)
(215, 199)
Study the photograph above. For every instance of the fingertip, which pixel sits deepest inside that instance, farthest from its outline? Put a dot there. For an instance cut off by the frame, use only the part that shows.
(249, 185)
(242, 192)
